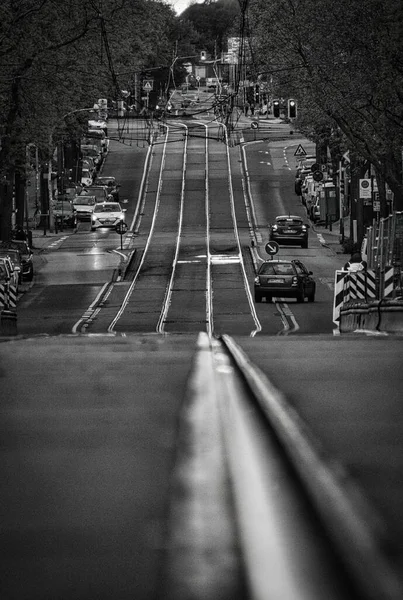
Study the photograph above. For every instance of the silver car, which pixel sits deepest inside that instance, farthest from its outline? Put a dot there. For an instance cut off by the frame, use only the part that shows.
(107, 214)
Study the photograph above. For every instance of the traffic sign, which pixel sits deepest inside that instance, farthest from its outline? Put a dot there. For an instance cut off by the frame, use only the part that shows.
(300, 151)
(121, 228)
(318, 176)
(272, 247)
(148, 85)
(254, 125)
(315, 167)
(365, 188)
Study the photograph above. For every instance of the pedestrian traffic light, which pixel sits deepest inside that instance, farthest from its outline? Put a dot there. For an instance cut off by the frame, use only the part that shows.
(292, 109)
(276, 108)
(203, 55)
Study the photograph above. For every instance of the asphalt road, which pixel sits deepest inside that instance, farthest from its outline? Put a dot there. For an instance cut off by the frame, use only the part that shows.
(89, 423)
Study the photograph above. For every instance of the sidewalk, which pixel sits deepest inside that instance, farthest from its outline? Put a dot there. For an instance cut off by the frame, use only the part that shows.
(331, 234)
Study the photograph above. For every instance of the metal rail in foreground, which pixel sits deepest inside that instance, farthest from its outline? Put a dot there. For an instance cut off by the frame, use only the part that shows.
(258, 509)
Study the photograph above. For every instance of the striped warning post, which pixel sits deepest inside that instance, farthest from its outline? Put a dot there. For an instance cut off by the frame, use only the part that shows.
(12, 296)
(3, 295)
(339, 294)
(388, 282)
(371, 283)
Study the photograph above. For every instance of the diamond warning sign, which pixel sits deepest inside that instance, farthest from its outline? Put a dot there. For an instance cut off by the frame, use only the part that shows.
(300, 151)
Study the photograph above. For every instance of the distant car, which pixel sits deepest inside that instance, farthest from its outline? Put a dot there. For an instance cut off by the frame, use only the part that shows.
(93, 152)
(99, 191)
(63, 211)
(289, 229)
(83, 206)
(107, 214)
(15, 258)
(284, 278)
(26, 257)
(112, 187)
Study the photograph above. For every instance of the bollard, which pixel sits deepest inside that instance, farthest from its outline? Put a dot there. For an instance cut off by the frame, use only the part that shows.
(8, 322)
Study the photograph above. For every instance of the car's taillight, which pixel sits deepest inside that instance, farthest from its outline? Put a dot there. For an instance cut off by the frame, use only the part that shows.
(257, 280)
(303, 227)
(294, 281)
(274, 227)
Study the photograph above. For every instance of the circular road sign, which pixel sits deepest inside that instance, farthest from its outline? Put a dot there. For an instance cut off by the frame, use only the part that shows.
(272, 248)
(121, 228)
(318, 176)
(315, 167)
(254, 125)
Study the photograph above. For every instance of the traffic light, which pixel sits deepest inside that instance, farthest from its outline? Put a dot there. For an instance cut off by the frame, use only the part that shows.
(276, 108)
(203, 55)
(292, 108)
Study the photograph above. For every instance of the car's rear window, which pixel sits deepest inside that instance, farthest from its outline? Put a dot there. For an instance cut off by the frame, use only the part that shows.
(276, 269)
(289, 222)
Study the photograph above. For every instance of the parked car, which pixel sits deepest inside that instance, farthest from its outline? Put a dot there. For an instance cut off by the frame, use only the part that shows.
(100, 136)
(98, 124)
(112, 187)
(99, 191)
(86, 177)
(64, 213)
(26, 257)
(15, 258)
(84, 206)
(107, 214)
(289, 229)
(284, 278)
(93, 152)
(12, 274)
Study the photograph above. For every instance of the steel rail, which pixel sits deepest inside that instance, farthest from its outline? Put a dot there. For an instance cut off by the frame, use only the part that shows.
(258, 510)
(168, 290)
(356, 531)
(147, 244)
(248, 292)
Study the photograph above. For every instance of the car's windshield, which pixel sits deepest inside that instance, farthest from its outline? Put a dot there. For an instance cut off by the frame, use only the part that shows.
(277, 269)
(107, 208)
(84, 201)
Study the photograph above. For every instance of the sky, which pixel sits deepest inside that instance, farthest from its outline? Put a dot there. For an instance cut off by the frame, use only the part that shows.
(181, 5)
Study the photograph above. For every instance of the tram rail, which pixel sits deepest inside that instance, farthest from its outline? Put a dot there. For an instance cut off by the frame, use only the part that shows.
(182, 244)
(259, 510)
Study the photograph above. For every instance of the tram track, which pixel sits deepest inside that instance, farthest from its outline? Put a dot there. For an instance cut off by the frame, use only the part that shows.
(189, 262)
(259, 509)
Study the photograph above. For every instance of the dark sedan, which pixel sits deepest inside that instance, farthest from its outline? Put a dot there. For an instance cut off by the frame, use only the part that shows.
(289, 229)
(284, 278)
